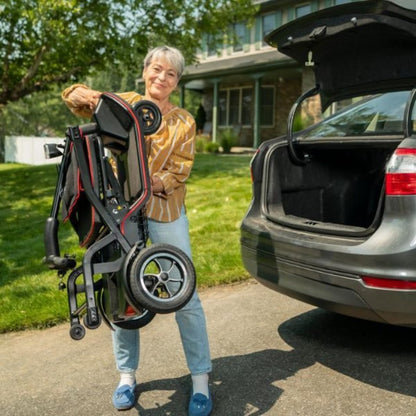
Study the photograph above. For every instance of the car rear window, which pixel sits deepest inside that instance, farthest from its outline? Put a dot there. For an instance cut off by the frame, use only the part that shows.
(377, 115)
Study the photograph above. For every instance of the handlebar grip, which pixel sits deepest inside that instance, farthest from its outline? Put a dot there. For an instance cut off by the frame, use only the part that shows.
(50, 237)
(52, 254)
(89, 128)
(60, 263)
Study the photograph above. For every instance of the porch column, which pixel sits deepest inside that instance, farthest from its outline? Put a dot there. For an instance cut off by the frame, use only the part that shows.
(215, 100)
(256, 115)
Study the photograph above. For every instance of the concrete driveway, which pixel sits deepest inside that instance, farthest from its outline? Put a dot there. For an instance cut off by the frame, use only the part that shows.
(272, 355)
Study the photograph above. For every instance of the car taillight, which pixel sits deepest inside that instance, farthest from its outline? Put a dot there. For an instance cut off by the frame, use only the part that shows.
(401, 173)
(381, 283)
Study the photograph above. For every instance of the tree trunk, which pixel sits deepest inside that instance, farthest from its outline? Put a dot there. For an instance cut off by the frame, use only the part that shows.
(2, 136)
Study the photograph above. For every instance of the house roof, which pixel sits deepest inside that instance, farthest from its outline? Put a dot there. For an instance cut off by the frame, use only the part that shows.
(249, 63)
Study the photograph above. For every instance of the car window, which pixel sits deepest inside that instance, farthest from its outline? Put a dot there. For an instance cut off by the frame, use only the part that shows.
(380, 114)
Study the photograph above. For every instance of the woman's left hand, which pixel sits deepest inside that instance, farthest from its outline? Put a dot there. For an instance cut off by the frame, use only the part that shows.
(157, 184)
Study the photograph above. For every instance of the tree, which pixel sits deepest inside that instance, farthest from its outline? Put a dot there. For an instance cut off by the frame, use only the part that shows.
(44, 43)
(38, 114)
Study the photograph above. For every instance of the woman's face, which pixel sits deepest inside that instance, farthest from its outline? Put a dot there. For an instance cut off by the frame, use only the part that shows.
(160, 79)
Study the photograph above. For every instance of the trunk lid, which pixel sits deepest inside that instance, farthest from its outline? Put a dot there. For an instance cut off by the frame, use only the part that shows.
(354, 49)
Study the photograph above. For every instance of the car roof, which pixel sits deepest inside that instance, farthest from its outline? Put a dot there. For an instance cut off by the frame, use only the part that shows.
(354, 49)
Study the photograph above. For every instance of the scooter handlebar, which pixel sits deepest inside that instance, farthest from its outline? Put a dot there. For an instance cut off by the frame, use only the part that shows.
(60, 263)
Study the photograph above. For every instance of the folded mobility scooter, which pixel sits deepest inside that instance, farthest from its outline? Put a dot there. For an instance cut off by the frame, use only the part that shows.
(102, 188)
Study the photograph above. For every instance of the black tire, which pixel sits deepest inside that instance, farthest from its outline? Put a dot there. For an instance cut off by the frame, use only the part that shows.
(162, 278)
(132, 323)
(88, 324)
(77, 332)
(100, 304)
(137, 322)
(149, 115)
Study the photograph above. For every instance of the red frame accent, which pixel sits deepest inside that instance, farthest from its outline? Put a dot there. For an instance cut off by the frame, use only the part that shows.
(86, 239)
(71, 208)
(142, 163)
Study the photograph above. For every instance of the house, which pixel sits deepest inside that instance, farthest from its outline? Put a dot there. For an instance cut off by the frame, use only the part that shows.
(247, 85)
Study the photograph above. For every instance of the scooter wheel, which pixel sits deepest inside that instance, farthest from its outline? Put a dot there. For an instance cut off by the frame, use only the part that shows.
(77, 332)
(162, 278)
(138, 322)
(135, 322)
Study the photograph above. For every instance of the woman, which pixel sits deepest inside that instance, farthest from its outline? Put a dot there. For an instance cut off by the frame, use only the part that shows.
(171, 155)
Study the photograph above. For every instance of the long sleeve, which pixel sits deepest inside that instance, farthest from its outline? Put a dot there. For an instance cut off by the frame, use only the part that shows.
(72, 100)
(171, 157)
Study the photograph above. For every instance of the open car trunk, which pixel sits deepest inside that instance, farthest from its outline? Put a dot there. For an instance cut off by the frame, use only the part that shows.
(335, 184)
(339, 191)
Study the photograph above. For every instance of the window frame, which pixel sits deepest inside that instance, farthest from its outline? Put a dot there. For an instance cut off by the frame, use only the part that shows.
(212, 49)
(239, 39)
(239, 122)
(226, 115)
(263, 33)
(273, 105)
(303, 6)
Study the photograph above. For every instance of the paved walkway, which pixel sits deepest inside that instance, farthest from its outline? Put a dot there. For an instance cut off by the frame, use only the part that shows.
(271, 354)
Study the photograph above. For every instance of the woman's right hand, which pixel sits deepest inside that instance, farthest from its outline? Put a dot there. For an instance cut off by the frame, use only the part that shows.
(84, 97)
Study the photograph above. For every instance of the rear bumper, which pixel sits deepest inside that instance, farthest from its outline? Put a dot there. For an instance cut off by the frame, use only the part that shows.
(300, 272)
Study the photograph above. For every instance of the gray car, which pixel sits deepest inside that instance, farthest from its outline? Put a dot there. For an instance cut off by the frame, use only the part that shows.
(332, 220)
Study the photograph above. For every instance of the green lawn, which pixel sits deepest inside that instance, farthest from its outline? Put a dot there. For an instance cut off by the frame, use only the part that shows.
(219, 192)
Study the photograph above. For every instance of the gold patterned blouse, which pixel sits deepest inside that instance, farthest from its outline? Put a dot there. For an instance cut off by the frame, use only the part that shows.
(171, 152)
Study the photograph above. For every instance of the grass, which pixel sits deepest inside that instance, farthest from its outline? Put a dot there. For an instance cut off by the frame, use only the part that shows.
(219, 192)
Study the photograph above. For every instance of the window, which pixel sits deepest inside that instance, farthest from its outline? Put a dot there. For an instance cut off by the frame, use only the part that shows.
(268, 22)
(239, 36)
(266, 106)
(303, 10)
(246, 106)
(211, 46)
(377, 115)
(235, 107)
(337, 2)
(222, 108)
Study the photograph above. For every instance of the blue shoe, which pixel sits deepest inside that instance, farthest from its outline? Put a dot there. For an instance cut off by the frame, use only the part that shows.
(124, 397)
(200, 405)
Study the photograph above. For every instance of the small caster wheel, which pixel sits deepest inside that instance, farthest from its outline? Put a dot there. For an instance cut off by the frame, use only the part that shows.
(77, 332)
(87, 322)
(149, 115)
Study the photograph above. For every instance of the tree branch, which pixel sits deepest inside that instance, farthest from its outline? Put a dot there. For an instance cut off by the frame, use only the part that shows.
(22, 85)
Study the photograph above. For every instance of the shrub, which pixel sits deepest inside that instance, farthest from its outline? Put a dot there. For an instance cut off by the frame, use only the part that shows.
(212, 147)
(301, 123)
(200, 143)
(228, 139)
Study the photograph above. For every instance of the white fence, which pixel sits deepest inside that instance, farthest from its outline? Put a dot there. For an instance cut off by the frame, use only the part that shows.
(29, 150)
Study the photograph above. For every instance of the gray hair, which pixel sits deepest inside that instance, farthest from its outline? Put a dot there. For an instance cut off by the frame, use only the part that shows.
(172, 55)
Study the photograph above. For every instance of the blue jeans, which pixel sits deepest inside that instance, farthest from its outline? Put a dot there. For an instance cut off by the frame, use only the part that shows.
(190, 319)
